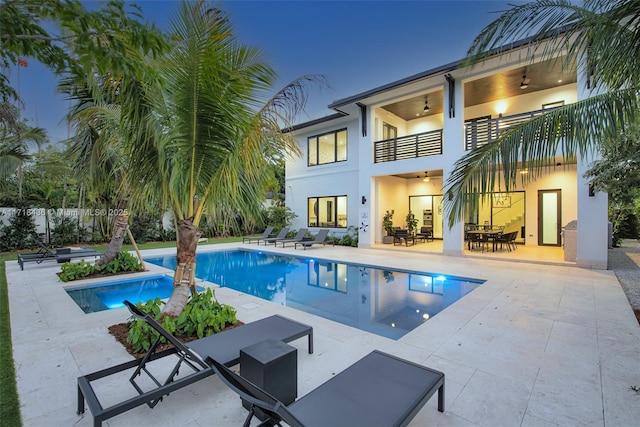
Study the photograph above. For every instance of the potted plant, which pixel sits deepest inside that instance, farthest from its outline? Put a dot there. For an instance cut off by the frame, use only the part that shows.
(387, 224)
(412, 223)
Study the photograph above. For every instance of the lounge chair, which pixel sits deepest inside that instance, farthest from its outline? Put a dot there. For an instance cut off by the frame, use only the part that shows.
(267, 233)
(281, 235)
(320, 239)
(299, 237)
(60, 254)
(224, 346)
(378, 390)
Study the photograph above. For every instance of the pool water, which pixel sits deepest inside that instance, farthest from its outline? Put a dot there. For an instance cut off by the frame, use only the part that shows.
(108, 296)
(390, 303)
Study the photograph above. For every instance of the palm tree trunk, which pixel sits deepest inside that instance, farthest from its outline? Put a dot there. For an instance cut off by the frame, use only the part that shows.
(117, 237)
(184, 276)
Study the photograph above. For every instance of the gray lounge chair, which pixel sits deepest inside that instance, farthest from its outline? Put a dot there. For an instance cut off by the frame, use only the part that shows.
(320, 239)
(299, 237)
(224, 346)
(267, 233)
(378, 390)
(281, 235)
(60, 254)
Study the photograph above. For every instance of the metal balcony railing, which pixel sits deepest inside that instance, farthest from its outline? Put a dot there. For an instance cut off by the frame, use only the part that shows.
(408, 147)
(482, 132)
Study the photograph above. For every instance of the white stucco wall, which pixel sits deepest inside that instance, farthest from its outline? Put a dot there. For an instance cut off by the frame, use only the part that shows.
(334, 179)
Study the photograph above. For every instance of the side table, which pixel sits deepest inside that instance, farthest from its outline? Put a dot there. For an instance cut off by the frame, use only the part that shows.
(272, 365)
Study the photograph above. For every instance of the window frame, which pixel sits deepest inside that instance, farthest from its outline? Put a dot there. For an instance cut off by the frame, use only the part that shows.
(334, 211)
(335, 147)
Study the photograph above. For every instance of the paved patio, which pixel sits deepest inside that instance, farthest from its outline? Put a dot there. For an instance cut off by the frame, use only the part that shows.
(536, 345)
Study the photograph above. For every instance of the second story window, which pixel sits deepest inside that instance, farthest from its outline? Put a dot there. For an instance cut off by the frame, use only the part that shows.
(326, 148)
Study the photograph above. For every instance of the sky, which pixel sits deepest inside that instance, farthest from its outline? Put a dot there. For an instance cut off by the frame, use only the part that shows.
(355, 45)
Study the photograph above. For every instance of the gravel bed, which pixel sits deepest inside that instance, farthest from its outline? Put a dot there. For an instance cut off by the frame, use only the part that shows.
(625, 262)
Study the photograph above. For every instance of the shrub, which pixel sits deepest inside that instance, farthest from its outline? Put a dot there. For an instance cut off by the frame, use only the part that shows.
(65, 230)
(202, 316)
(16, 234)
(75, 270)
(145, 227)
(124, 262)
(279, 217)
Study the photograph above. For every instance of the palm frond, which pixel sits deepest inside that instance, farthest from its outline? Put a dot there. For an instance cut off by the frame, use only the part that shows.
(601, 32)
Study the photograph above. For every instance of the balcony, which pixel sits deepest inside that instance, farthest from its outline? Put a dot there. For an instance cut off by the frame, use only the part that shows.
(482, 132)
(408, 147)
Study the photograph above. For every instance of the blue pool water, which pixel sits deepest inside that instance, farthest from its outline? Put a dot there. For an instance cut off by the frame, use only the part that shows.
(107, 296)
(385, 302)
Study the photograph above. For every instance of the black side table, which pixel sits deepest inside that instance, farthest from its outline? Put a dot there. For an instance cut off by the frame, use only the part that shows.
(272, 365)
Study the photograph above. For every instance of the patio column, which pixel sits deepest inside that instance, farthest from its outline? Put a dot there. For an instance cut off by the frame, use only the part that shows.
(593, 221)
(452, 150)
(366, 198)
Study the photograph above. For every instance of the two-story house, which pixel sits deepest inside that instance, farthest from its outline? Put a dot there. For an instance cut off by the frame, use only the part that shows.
(392, 148)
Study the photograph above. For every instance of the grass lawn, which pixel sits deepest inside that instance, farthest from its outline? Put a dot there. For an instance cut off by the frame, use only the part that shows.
(9, 403)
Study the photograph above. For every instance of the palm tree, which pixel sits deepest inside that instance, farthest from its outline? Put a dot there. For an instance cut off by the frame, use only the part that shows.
(96, 148)
(602, 35)
(205, 133)
(15, 138)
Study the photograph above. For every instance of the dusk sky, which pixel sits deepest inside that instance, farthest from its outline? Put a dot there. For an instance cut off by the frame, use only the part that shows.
(356, 45)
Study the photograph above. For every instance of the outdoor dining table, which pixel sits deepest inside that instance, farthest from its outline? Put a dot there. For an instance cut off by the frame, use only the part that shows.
(490, 234)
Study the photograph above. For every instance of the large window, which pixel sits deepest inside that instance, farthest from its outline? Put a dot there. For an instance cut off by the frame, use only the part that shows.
(329, 147)
(328, 211)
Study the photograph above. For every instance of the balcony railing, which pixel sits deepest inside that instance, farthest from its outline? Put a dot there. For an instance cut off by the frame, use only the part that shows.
(483, 132)
(408, 147)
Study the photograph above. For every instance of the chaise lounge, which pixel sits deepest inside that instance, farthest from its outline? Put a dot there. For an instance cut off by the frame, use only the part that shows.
(60, 254)
(224, 346)
(281, 235)
(299, 237)
(267, 233)
(378, 390)
(320, 239)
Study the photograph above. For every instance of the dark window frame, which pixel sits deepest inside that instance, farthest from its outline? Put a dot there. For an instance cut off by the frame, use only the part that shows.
(334, 211)
(335, 147)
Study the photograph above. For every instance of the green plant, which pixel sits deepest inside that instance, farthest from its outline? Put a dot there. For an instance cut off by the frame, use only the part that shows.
(279, 217)
(145, 227)
(202, 316)
(65, 230)
(16, 234)
(387, 223)
(412, 222)
(123, 262)
(75, 270)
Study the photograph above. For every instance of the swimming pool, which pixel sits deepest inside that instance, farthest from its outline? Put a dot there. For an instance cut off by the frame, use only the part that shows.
(108, 296)
(385, 302)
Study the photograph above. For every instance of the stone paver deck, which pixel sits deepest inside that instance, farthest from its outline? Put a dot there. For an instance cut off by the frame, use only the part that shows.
(536, 345)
